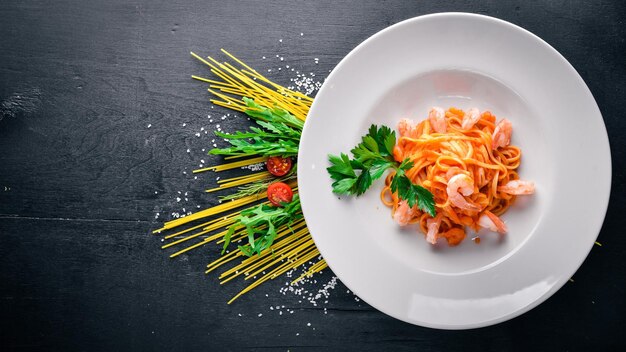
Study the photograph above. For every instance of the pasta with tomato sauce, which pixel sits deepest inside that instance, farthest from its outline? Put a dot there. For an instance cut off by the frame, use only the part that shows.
(464, 158)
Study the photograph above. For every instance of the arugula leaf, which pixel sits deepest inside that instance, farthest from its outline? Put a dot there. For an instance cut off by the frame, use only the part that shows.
(278, 133)
(261, 223)
(372, 157)
(275, 116)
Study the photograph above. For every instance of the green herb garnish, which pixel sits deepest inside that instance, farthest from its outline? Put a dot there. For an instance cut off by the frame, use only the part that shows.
(372, 157)
(261, 223)
(278, 133)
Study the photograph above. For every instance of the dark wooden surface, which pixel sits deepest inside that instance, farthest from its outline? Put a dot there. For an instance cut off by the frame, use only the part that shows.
(82, 176)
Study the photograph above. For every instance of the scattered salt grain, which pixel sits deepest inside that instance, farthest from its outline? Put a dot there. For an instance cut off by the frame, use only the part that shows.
(177, 199)
(301, 34)
(260, 314)
(188, 150)
(149, 125)
(184, 124)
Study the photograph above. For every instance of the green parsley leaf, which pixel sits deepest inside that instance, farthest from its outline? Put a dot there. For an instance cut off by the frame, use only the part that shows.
(371, 158)
(378, 168)
(363, 182)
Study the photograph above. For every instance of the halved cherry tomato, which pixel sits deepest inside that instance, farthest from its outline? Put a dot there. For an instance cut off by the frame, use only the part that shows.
(279, 193)
(278, 166)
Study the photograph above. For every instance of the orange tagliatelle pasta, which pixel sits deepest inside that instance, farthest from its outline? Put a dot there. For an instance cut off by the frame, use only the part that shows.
(464, 159)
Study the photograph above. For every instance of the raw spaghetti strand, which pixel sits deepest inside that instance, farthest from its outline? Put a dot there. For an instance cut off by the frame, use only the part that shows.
(293, 245)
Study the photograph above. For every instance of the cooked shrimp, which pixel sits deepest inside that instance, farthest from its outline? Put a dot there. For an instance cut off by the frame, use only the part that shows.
(433, 228)
(453, 171)
(470, 118)
(490, 221)
(403, 213)
(405, 126)
(518, 187)
(464, 184)
(502, 134)
(437, 119)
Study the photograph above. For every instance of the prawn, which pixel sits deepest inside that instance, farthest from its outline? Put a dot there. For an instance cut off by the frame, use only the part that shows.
(518, 187)
(403, 213)
(502, 134)
(437, 119)
(464, 184)
(453, 171)
(405, 127)
(433, 228)
(490, 221)
(471, 117)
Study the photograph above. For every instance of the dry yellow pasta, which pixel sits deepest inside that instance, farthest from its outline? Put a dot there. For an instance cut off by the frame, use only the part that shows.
(293, 245)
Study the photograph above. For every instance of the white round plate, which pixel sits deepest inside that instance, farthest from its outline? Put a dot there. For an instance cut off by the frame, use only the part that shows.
(462, 60)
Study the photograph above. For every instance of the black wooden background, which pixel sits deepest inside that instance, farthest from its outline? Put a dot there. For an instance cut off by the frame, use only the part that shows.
(97, 111)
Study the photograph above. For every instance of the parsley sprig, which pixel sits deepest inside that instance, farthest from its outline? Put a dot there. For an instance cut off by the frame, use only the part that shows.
(372, 157)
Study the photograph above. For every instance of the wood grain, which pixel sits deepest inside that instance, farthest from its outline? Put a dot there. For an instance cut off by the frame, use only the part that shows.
(82, 176)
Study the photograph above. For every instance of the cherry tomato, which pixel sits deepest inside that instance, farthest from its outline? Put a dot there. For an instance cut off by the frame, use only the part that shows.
(279, 193)
(278, 166)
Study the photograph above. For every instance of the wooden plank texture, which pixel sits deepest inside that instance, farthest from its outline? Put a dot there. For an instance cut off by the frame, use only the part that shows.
(98, 124)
